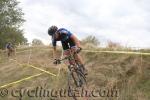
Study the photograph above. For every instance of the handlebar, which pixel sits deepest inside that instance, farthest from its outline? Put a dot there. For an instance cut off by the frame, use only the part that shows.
(58, 61)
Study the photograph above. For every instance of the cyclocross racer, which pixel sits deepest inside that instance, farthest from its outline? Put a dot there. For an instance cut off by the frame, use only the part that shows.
(69, 43)
(9, 49)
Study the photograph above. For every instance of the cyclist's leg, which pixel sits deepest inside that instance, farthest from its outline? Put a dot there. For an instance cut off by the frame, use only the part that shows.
(77, 56)
(81, 62)
(74, 49)
(8, 52)
(67, 50)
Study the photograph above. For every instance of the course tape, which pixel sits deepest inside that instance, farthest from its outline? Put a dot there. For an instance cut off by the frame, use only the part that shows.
(35, 68)
(21, 80)
(116, 52)
(41, 70)
(119, 52)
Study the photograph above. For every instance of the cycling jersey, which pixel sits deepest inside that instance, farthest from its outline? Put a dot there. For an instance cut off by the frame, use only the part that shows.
(8, 46)
(64, 37)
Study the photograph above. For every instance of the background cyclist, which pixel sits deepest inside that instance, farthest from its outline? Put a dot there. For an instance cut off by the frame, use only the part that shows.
(9, 49)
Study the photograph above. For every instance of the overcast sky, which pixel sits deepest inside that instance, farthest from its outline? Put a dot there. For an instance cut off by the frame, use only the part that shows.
(123, 21)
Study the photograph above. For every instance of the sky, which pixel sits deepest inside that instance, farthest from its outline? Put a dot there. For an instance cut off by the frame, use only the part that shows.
(123, 21)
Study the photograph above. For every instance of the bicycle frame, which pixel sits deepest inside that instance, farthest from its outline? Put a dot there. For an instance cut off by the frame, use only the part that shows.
(74, 73)
(74, 66)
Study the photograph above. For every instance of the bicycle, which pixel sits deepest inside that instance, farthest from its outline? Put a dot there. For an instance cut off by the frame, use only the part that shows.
(76, 76)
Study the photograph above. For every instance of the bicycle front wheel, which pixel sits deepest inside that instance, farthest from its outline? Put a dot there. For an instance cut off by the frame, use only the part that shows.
(77, 76)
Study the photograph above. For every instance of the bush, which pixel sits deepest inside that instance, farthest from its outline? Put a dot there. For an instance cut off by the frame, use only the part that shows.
(90, 42)
(113, 45)
(36, 42)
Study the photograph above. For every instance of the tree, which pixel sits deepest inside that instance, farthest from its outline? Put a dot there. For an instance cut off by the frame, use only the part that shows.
(10, 14)
(36, 42)
(11, 18)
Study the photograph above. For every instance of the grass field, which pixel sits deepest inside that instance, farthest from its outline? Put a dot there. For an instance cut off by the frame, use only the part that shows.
(129, 75)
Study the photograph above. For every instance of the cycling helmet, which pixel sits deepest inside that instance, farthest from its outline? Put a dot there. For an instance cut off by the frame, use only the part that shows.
(52, 30)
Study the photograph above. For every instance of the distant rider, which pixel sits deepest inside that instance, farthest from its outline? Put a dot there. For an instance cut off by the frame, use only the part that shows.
(9, 49)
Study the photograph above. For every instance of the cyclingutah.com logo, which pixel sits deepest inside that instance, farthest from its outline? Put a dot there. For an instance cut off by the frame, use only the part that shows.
(40, 92)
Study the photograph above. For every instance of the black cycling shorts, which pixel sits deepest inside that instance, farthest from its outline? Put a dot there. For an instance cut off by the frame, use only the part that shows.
(68, 44)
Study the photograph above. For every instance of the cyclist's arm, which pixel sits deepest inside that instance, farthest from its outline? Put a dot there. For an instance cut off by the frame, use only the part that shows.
(54, 52)
(54, 49)
(76, 40)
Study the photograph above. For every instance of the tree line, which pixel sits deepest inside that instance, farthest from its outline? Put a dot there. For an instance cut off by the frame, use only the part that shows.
(11, 19)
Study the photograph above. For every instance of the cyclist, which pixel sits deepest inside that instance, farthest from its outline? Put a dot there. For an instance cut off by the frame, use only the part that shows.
(69, 42)
(9, 49)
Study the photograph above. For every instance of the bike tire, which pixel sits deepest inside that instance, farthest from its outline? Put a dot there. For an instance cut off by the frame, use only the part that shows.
(71, 85)
(78, 77)
(81, 77)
